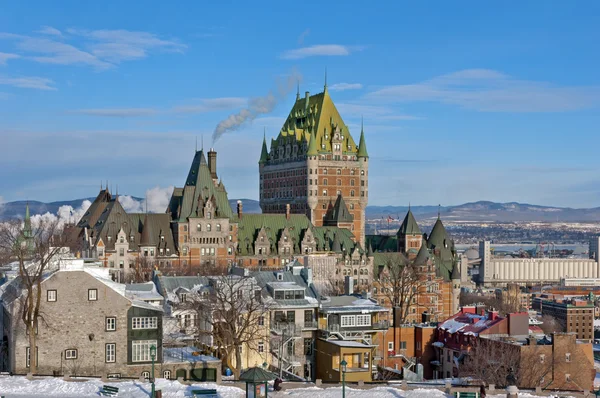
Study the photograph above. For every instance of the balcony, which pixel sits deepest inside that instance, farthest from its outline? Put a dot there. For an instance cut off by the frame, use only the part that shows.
(381, 325)
(309, 325)
(286, 329)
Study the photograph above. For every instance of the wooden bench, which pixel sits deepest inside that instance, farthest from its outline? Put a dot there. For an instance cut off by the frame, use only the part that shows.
(466, 394)
(201, 393)
(109, 391)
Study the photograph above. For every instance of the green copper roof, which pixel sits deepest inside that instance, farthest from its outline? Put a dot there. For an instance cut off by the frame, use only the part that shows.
(336, 246)
(199, 188)
(256, 375)
(443, 250)
(27, 232)
(409, 226)
(455, 272)
(314, 115)
(423, 256)
(382, 243)
(313, 149)
(264, 154)
(362, 145)
(338, 213)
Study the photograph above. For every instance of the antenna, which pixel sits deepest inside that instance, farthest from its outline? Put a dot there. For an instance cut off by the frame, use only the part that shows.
(325, 88)
(196, 143)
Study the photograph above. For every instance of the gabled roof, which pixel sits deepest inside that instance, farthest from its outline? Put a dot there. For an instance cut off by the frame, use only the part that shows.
(442, 246)
(318, 115)
(274, 224)
(338, 213)
(199, 188)
(409, 226)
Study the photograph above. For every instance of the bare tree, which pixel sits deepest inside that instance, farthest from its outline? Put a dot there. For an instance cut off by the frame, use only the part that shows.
(35, 248)
(402, 282)
(142, 270)
(490, 361)
(551, 325)
(233, 313)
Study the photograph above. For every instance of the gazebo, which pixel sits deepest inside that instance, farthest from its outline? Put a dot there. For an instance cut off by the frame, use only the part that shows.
(256, 382)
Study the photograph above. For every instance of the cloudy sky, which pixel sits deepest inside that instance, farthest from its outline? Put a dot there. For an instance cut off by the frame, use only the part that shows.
(461, 101)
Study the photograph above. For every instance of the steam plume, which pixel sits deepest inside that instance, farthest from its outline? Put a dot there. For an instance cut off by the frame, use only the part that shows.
(257, 106)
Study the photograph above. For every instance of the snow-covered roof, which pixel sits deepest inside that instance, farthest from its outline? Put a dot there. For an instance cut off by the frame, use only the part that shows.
(185, 354)
(349, 343)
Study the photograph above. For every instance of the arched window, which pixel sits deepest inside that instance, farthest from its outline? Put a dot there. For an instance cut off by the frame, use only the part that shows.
(325, 181)
(362, 172)
(198, 227)
(351, 182)
(208, 227)
(185, 228)
(352, 172)
(324, 193)
(339, 181)
(218, 227)
(146, 375)
(339, 171)
(352, 192)
(167, 374)
(355, 272)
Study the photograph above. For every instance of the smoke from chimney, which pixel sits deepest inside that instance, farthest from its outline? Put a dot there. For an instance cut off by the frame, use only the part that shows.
(257, 106)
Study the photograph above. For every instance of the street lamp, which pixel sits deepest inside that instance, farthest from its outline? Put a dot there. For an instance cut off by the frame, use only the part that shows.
(343, 364)
(153, 357)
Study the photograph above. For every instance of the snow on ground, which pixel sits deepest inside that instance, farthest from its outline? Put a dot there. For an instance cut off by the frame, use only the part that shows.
(20, 387)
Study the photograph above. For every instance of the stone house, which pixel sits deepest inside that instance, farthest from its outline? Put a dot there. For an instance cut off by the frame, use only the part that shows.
(89, 326)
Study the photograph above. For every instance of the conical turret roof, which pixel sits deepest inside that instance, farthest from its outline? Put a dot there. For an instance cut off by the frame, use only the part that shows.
(362, 145)
(264, 154)
(339, 213)
(423, 255)
(409, 226)
(438, 236)
(455, 272)
(336, 245)
(313, 148)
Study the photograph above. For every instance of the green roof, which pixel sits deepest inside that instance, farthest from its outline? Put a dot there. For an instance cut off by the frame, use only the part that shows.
(264, 154)
(443, 250)
(256, 375)
(313, 148)
(382, 243)
(199, 188)
(424, 255)
(409, 226)
(362, 145)
(338, 213)
(311, 118)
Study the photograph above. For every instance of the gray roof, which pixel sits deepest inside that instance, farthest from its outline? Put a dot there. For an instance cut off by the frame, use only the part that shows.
(264, 278)
(168, 284)
(351, 303)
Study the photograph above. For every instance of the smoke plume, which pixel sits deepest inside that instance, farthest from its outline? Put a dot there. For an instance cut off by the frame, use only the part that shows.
(257, 106)
(65, 214)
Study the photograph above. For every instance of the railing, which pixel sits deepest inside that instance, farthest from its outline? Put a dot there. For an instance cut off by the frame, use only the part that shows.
(381, 325)
(286, 329)
(310, 325)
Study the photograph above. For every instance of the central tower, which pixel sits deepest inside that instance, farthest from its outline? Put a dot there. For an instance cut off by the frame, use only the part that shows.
(313, 160)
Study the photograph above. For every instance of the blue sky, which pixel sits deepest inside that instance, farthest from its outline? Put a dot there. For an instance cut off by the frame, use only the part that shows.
(461, 101)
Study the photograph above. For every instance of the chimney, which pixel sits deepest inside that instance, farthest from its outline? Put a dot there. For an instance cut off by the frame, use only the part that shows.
(493, 315)
(307, 95)
(287, 211)
(480, 309)
(348, 285)
(239, 209)
(212, 163)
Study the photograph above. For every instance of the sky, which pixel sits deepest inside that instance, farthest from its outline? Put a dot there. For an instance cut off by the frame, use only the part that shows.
(461, 101)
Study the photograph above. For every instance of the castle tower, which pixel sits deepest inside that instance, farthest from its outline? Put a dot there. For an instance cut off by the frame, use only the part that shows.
(409, 236)
(313, 160)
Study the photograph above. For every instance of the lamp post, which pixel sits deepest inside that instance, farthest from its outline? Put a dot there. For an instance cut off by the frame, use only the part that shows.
(343, 364)
(153, 357)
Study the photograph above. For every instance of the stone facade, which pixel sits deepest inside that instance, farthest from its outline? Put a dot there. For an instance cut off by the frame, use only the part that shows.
(79, 312)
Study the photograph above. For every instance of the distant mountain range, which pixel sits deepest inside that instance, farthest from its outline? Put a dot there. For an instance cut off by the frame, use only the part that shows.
(482, 211)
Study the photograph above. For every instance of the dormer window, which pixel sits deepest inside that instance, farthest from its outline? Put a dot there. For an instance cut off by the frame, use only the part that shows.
(162, 238)
(131, 238)
(208, 215)
(121, 239)
(199, 228)
(279, 277)
(108, 237)
(208, 227)
(218, 227)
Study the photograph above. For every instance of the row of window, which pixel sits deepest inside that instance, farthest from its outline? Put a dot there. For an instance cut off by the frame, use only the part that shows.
(110, 354)
(52, 295)
(355, 320)
(208, 226)
(144, 322)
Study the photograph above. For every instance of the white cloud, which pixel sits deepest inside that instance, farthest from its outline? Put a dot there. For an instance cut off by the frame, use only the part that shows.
(6, 56)
(116, 112)
(319, 50)
(211, 105)
(157, 199)
(39, 83)
(345, 86)
(303, 36)
(101, 49)
(492, 91)
(65, 214)
(49, 30)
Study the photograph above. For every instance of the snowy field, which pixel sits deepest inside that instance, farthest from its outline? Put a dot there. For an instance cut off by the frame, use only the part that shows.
(19, 386)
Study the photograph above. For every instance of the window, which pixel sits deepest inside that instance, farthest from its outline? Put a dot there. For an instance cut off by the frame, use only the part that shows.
(261, 346)
(144, 322)
(121, 239)
(325, 181)
(261, 321)
(92, 294)
(567, 377)
(568, 357)
(121, 252)
(218, 227)
(209, 215)
(110, 352)
(198, 227)
(183, 297)
(403, 345)
(111, 324)
(140, 350)
(208, 228)
(146, 375)
(348, 320)
(390, 346)
(542, 358)
(324, 171)
(185, 228)
(51, 295)
(363, 320)
(324, 194)
(352, 192)
(339, 182)
(167, 374)
(71, 354)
